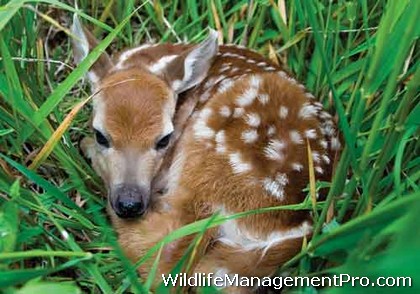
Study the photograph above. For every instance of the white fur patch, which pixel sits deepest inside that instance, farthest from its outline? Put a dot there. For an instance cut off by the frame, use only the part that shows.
(249, 136)
(220, 142)
(249, 95)
(263, 98)
(233, 235)
(297, 166)
(224, 68)
(98, 121)
(307, 111)
(316, 157)
(255, 81)
(159, 65)
(253, 119)
(295, 137)
(324, 144)
(326, 159)
(319, 170)
(127, 54)
(238, 112)
(225, 111)
(310, 134)
(225, 85)
(262, 63)
(237, 164)
(283, 111)
(276, 187)
(201, 130)
(271, 130)
(335, 143)
(274, 150)
(327, 128)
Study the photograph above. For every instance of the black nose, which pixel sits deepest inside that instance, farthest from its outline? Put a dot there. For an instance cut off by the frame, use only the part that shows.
(131, 201)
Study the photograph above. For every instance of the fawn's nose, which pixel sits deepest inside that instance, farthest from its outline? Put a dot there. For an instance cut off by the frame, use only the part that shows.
(130, 201)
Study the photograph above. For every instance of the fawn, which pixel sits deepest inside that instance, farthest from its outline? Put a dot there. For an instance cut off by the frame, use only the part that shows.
(215, 129)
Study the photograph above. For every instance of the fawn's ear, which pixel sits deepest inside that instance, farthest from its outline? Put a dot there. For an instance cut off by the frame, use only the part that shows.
(83, 42)
(191, 67)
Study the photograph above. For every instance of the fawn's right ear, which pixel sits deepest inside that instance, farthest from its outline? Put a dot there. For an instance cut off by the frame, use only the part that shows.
(83, 42)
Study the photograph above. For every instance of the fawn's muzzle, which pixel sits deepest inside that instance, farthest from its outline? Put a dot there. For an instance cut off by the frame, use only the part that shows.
(129, 201)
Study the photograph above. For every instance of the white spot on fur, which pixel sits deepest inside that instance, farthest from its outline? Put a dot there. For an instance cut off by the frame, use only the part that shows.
(319, 170)
(269, 68)
(238, 112)
(326, 159)
(310, 134)
(251, 61)
(307, 111)
(271, 130)
(159, 65)
(201, 130)
(283, 112)
(247, 97)
(335, 143)
(276, 187)
(220, 142)
(219, 78)
(316, 157)
(262, 63)
(295, 137)
(263, 98)
(327, 128)
(297, 166)
(255, 81)
(237, 164)
(274, 150)
(225, 85)
(249, 136)
(253, 119)
(224, 68)
(324, 144)
(225, 111)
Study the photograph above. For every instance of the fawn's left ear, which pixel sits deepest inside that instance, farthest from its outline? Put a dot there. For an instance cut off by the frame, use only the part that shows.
(82, 45)
(191, 67)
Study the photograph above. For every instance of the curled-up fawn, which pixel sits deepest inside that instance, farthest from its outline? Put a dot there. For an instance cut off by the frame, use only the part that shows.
(214, 129)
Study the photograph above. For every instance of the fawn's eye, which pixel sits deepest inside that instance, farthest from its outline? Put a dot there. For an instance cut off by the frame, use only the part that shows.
(101, 139)
(163, 142)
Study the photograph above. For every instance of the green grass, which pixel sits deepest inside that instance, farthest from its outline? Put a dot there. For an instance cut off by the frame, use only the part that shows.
(361, 58)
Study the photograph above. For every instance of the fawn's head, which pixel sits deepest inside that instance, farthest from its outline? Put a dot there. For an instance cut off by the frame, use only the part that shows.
(133, 112)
